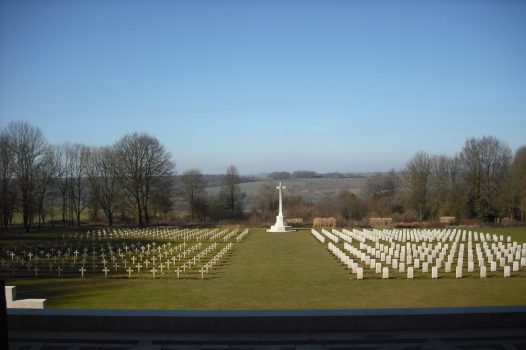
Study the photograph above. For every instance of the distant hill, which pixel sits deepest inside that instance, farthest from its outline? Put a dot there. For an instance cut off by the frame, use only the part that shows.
(311, 189)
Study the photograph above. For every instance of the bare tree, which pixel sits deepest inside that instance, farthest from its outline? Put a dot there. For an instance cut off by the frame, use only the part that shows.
(102, 179)
(230, 192)
(77, 156)
(61, 177)
(45, 176)
(144, 167)
(348, 205)
(268, 198)
(518, 182)
(27, 146)
(193, 185)
(7, 188)
(383, 189)
(416, 180)
(383, 182)
(486, 162)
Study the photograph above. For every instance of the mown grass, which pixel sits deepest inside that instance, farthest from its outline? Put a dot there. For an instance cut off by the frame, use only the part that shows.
(279, 271)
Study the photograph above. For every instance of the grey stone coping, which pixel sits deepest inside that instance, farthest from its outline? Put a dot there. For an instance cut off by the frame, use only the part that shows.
(270, 313)
(244, 321)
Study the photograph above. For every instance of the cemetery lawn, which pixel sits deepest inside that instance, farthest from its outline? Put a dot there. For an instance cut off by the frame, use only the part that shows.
(277, 271)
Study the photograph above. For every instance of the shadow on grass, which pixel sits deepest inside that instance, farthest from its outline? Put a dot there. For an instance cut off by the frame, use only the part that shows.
(68, 291)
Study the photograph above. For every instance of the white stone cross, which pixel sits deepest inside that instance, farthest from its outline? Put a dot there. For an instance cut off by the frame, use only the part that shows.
(82, 270)
(280, 225)
(105, 269)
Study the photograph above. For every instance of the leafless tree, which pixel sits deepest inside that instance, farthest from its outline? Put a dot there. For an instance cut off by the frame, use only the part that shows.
(518, 182)
(382, 183)
(268, 198)
(7, 188)
(144, 167)
(27, 146)
(62, 180)
(104, 186)
(193, 187)
(77, 156)
(486, 161)
(416, 181)
(230, 192)
(44, 179)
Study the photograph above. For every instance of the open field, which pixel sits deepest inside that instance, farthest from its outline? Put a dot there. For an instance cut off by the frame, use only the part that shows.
(278, 271)
(310, 189)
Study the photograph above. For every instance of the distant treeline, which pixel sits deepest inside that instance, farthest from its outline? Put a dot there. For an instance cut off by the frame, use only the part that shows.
(133, 181)
(307, 174)
(485, 182)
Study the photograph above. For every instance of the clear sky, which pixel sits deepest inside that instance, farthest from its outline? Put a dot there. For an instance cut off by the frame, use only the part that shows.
(269, 85)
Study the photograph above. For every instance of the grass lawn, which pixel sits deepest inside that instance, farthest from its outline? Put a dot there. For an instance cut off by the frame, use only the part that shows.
(278, 271)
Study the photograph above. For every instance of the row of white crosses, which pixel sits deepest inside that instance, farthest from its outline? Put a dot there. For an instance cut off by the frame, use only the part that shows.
(242, 235)
(435, 251)
(216, 259)
(158, 233)
(122, 256)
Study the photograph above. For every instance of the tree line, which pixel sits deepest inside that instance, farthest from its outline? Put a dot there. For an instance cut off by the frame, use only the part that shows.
(485, 182)
(132, 179)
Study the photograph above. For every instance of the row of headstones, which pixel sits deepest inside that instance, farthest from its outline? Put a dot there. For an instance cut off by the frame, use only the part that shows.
(421, 235)
(317, 235)
(497, 253)
(384, 270)
(515, 252)
(336, 234)
(389, 260)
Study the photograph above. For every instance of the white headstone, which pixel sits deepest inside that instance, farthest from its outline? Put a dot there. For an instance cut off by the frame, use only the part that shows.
(483, 272)
(359, 273)
(378, 268)
(410, 272)
(507, 271)
(459, 272)
(434, 272)
(401, 267)
(385, 272)
(493, 266)
(425, 267)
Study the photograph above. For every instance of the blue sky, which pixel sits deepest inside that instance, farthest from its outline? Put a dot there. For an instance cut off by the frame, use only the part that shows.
(269, 85)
